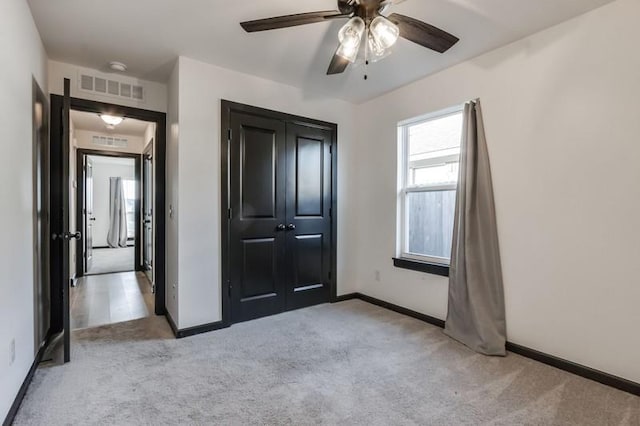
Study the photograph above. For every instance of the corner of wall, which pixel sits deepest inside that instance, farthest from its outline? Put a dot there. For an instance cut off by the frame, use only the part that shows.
(172, 194)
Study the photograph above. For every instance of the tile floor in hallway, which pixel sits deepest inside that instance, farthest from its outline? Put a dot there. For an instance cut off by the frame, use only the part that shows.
(108, 260)
(106, 299)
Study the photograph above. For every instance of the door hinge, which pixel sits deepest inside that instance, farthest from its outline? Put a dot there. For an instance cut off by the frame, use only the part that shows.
(229, 134)
(330, 212)
(230, 213)
(330, 149)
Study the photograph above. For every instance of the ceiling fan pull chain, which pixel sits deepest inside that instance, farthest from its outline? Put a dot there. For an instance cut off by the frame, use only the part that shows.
(366, 55)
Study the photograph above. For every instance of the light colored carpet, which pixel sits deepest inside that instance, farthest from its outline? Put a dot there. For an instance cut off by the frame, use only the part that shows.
(345, 364)
(107, 260)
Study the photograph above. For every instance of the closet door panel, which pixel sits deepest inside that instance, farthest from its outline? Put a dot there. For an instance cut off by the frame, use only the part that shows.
(308, 214)
(257, 201)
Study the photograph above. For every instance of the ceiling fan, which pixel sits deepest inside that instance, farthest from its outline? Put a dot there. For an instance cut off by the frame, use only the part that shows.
(366, 21)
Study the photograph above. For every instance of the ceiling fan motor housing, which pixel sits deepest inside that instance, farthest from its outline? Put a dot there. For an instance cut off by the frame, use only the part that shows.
(365, 9)
(346, 6)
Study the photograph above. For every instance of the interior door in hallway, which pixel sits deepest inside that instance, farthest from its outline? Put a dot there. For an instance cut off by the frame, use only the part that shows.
(147, 212)
(64, 234)
(88, 213)
(257, 216)
(308, 201)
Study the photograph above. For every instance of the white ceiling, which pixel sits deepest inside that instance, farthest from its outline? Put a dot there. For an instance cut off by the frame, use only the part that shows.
(93, 123)
(148, 35)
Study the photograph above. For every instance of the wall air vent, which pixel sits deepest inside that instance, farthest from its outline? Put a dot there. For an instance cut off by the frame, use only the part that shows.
(110, 141)
(114, 88)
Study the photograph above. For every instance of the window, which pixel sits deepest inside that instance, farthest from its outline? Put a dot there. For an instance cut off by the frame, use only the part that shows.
(429, 165)
(129, 187)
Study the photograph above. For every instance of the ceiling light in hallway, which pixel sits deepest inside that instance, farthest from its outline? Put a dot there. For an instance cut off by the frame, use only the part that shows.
(111, 120)
(117, 66)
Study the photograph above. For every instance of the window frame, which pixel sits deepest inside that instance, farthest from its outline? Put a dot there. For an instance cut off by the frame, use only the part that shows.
(404, 190)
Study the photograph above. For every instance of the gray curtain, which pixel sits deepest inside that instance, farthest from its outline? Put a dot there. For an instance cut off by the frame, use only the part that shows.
(117, 236)
(476, 315)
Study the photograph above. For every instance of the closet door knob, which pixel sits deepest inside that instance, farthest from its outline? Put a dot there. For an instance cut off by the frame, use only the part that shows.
(281, 227)
(291, 227)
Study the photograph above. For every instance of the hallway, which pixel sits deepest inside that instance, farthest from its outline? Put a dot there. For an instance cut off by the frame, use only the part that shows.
(106, 299)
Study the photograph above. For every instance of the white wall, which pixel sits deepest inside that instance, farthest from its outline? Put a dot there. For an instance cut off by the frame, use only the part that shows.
(103, 170)
(561, 112)
(84, 140)
(24, 58)
(155, 93)
(201, 88)
(171, 194)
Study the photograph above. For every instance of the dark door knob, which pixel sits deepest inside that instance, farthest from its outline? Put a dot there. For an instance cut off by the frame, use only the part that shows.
(92, 219)
(291, 227)
(281, 227)
(72, 236)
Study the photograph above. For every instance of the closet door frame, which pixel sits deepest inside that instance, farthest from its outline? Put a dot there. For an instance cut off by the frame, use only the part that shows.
(227, 108)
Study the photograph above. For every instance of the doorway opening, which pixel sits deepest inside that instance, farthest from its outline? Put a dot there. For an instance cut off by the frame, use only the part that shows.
(108, 260)
(107, 206)
(107, 195)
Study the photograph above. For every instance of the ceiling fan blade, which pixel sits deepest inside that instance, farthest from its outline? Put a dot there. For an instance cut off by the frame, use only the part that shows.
(423, 34)
(338, 65)
(291, 20)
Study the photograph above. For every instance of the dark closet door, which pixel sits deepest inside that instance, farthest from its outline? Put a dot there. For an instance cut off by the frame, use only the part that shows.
(257, 232)
(308, 200)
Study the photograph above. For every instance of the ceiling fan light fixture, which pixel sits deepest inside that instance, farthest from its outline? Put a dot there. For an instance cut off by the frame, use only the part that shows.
(350, 53)
(111, 120)
(375, 49)
(384, 32)
(350, 37)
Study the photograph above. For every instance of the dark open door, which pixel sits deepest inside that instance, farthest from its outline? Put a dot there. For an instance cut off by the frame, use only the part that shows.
(147, 212)
(65, 235)
(308, 215)
(257, 230)
(88, 213)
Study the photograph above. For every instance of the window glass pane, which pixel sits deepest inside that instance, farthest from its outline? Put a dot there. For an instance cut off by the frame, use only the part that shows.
(441, 174)
(430, 218)
(434, 150)
(435, 135)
